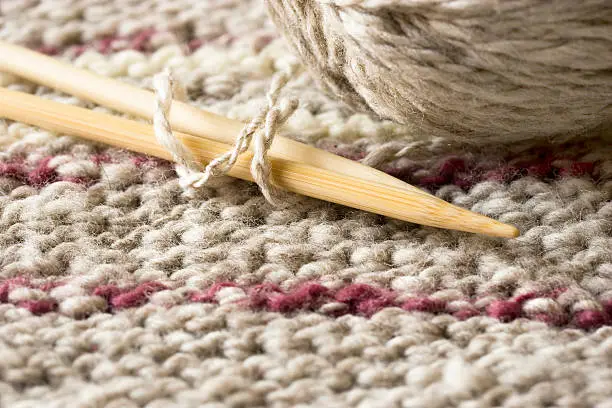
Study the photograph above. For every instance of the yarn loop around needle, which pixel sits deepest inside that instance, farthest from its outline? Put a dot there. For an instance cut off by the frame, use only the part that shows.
(259, 133)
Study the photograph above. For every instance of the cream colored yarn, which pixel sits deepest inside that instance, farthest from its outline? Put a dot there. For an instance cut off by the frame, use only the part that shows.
(262, 129)
(471, 69)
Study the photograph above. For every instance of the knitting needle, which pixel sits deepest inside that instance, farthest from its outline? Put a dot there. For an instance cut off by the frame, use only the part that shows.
(122, 97)
(53, 73)
(406, 204)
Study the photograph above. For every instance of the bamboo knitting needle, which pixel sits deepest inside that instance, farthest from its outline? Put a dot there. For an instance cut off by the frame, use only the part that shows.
(185, 118)
(408, 203)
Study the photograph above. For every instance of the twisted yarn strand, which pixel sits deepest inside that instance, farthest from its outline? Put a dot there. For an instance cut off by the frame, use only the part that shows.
(260, 130)
(166, 89)
(275, 116)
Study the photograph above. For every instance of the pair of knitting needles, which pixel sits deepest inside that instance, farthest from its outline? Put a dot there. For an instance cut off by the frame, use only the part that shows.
(296, 167)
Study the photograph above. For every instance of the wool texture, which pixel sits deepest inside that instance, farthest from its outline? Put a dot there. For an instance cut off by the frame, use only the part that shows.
(118, 288)
(477, 70)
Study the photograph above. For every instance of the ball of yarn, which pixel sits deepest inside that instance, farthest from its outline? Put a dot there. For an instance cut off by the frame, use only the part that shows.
(463, 69)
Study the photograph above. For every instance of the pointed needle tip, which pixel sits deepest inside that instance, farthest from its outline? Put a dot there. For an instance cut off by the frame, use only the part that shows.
(504, 230)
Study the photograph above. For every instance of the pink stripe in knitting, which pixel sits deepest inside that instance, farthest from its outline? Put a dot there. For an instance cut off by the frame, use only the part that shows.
(587, 319)
(48, 49)
(139, 41)
(40, 174)
(10, 284)
(305, 297)
(466, 173)
(39, 307)
(452, 171)
(425, 305)
(121, 298)
(456, 171)
(209, 295)
(505, 310)
(356, 299)
(142, 41)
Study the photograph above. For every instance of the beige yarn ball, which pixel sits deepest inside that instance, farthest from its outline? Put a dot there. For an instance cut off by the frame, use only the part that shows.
(480, 70)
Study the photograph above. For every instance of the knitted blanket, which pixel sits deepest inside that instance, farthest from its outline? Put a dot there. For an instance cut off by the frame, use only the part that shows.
(120, 289)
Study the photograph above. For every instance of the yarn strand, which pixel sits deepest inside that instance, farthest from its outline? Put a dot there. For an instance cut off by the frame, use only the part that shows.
(167, 89)
(260, 132)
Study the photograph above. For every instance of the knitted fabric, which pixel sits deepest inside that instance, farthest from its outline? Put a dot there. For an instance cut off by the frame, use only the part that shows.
(120, 289)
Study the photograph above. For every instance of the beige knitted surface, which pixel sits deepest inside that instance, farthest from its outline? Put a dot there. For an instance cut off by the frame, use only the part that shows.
(120, 289)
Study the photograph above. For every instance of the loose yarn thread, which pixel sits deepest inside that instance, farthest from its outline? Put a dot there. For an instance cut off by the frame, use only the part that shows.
(260, 131)
(473, 70)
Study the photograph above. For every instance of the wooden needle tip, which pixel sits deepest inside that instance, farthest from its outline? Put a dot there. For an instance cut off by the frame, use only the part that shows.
(504, 230)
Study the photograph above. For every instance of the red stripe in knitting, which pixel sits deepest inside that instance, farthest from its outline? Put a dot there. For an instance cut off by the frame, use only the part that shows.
(358, 299)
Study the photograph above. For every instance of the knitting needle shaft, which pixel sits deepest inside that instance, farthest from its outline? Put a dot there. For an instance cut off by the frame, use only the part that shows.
(414, 206)
(122, 97)
(53, 73)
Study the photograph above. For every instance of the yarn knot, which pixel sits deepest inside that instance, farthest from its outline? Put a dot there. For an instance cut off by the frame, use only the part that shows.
(259, 132)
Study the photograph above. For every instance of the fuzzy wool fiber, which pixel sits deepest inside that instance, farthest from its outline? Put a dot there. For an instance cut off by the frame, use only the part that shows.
(120, 289)
(476, 70)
